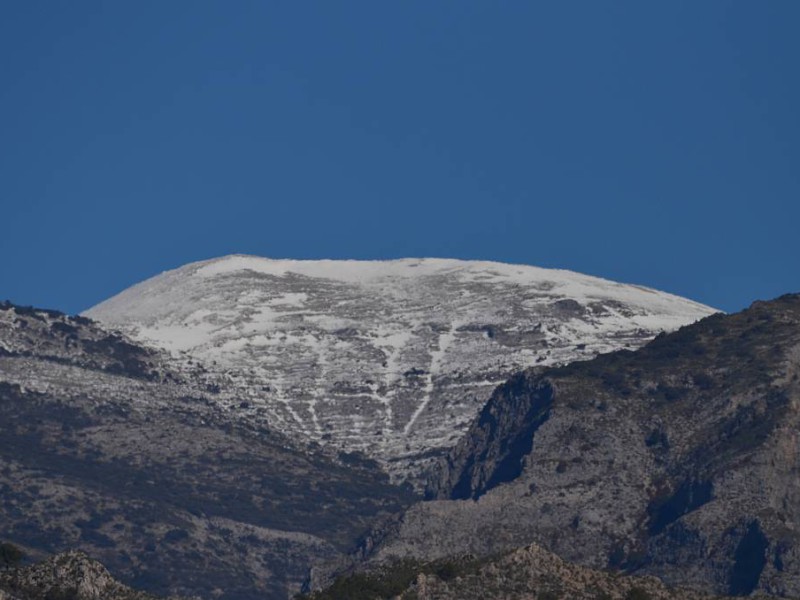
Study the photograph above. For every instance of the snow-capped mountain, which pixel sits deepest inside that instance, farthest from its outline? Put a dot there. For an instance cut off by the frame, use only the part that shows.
(391, 358)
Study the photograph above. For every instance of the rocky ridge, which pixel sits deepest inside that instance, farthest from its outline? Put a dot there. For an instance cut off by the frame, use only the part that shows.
(390, 358)
(678, 460)
(68, 576)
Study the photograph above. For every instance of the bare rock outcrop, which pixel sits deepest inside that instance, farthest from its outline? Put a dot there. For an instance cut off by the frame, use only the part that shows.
(68, 576)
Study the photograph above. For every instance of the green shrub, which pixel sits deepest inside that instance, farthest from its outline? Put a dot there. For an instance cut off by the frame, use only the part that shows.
(637, 593)
(61, 594)
(446, 571)
(10, 555)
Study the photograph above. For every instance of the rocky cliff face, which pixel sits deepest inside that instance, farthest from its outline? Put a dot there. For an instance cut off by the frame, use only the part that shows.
(104, 449)
(390, 358)
(678, 460)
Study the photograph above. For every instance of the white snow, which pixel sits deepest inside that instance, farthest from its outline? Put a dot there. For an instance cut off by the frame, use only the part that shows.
(437, 357)
(389, 357)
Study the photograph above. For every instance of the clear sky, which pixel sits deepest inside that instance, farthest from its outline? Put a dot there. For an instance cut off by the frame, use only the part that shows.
(648, 142)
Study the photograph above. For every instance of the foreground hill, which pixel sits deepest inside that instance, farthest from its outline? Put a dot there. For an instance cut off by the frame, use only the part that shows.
(392, 358)
(104, 449)
(679, 460)
(68, 576)
(529, 573)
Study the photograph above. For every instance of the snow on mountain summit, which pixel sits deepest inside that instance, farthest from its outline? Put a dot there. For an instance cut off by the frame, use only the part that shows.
(392, 358)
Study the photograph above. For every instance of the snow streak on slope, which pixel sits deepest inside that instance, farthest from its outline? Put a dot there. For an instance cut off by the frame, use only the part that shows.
(393, 358)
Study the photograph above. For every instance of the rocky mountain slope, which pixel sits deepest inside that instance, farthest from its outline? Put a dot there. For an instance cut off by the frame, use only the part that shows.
(104, 449)
(390, 358)
(678, 460)
(529, 573)
(68, 576)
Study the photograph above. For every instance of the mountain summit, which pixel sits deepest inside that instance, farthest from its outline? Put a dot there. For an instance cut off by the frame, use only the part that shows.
(390, 358)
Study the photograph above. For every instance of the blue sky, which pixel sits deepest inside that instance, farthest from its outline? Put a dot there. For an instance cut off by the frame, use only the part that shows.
(648, 142)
